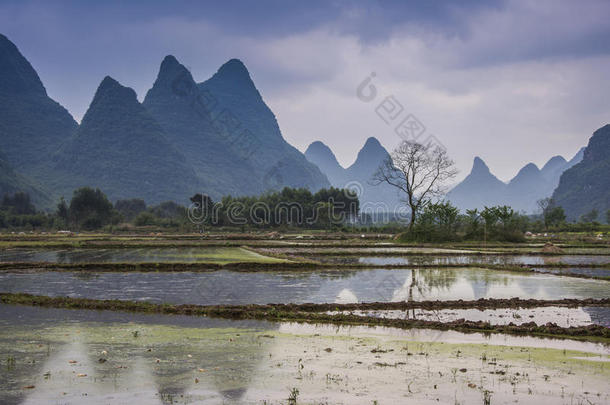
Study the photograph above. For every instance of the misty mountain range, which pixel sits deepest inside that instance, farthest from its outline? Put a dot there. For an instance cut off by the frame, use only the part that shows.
(358, 176)
(481, 188)
(219, 137)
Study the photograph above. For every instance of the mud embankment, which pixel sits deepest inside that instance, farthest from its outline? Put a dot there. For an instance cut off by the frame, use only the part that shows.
(308, 313)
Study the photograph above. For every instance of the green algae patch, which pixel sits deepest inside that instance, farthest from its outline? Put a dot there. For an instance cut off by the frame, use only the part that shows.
(225, 255)
(165, 361)
(550, 358)
(237, 255)
(99, 256)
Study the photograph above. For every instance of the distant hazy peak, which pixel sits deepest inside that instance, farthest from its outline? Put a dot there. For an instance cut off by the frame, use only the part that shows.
(553, 163)
(529, 168)
(321, 149)
(372, 143)
(528, 174)
(320, 154)
(479, 166)
(318, 145)
(371, 154)
(372, 147)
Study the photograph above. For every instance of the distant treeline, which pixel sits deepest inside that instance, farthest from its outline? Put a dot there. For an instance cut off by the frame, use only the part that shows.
(90, 209)
(297, 207)
(443, 222)
(440, 222)
(337, 209)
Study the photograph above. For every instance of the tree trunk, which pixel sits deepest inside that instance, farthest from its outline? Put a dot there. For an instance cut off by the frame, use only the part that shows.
(412, 220)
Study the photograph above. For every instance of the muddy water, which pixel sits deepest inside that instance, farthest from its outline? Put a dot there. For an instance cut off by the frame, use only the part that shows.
(86, 357)
(225, 287)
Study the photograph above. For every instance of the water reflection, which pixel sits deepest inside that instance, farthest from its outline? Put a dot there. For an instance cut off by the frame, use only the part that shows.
(226, 287)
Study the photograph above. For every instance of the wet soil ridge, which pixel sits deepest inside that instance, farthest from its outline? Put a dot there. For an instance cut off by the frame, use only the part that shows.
(308, 313)
(482, 304)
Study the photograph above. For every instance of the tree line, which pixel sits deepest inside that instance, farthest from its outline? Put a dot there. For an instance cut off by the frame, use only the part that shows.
(90, 209)
(296, 207)
(441, 222)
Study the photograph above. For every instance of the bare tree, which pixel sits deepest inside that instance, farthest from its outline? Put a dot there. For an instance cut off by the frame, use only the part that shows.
(418, 171)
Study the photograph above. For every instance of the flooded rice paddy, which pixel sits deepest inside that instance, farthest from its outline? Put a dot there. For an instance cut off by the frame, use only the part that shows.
(54, 356)
(413, 256)
(325, 286)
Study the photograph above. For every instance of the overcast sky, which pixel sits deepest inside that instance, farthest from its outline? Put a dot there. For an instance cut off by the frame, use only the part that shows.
(510, 81)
